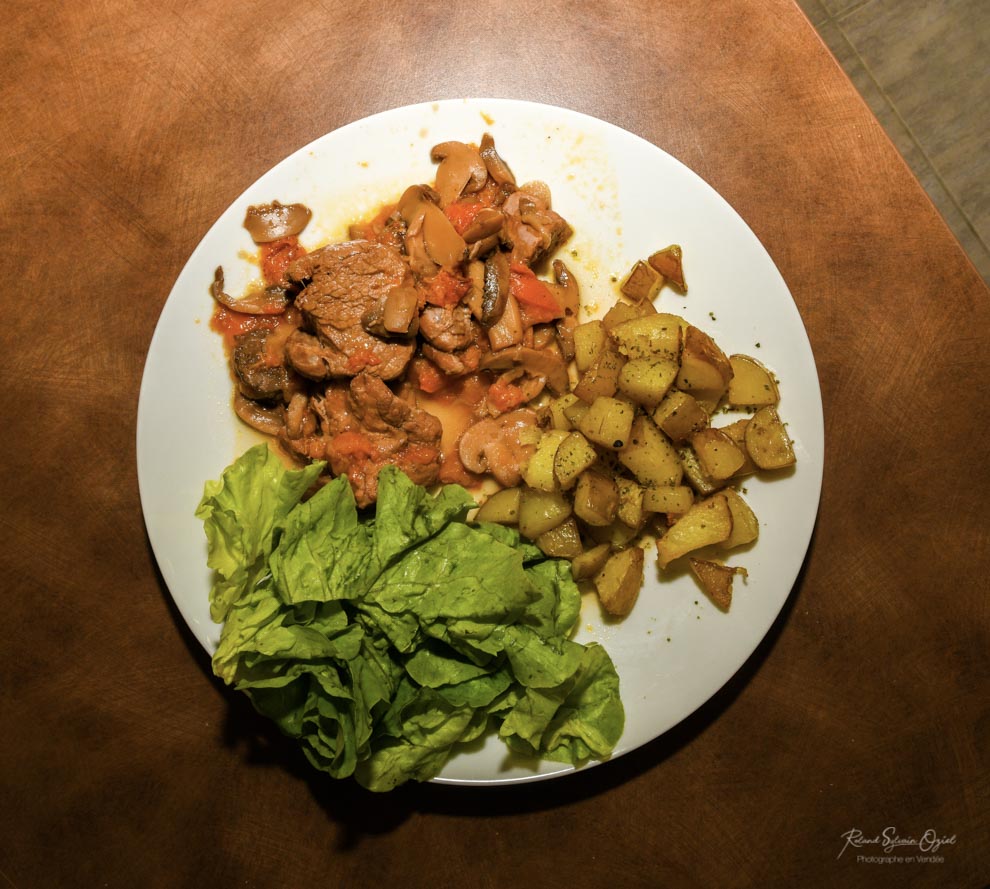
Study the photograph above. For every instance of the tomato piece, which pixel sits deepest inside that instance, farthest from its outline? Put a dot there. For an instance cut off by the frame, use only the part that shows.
(503, 396)
(445, 289)
(462, 213)
(426, 376)
(352, 444)
(534, 297)
(277, 256)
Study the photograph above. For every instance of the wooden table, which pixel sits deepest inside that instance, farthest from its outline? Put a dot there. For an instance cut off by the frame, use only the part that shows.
(128, 128)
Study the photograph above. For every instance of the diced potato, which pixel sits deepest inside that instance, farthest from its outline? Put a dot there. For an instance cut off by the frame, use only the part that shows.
(752, 385)
(619, 581)
(617, 534)
(590, 562)
(556, 410)
(767, 441)
(679, 415)
(707, 522)
(589, 340)
(646, 380)
(608, 423)
(703, 363)
(737, 432)
(539, 511)
(630, 511)
(649, 455)
(596, 498)
(502, 507)
(669, 262)
(622, 311)
(745, 525)
(538, 471)
(575, 411)
(601, 378)
(700, 480)
(562, 542)
(718, 454)
(650, 336)
(574, 456)
(669, 499)
(716, 580)
(643, 282)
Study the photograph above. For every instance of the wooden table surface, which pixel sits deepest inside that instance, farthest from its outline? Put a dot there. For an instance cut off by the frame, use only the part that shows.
(129, 127)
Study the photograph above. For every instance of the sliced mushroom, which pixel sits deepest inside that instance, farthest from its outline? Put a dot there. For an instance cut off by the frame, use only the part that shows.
(570, 296)
(497, 168)
(544, 363)
(461, 170)
(430, 236)
(265, 419)
(269, 222)
(508, 330)
(496, 288)
(396, 315)
(488, 222)
(268, 301)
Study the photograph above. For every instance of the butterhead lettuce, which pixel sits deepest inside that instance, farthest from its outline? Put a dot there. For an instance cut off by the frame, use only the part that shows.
(383, 641)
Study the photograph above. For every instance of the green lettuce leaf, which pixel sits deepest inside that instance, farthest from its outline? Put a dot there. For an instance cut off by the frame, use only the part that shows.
(384, 643)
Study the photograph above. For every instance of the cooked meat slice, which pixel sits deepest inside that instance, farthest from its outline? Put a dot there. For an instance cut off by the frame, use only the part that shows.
(531, 227)
(260, 370)
(448, 327)
(459, 363)
(342, 283)
(367, 427)
(495, 446)
(344, 353)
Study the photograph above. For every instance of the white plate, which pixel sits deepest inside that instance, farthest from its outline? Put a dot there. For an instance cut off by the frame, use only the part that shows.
(625, 198)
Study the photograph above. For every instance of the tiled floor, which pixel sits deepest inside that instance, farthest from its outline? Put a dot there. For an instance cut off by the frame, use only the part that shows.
(923, 66)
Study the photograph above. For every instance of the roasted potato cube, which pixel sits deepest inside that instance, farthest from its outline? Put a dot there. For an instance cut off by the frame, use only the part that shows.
(669, 499)
(700, 480)
(707, 522)
(679, 415)
(538, 471)
(502, 507)
(630, 511)
(608, 423)
(642, 282)
(574, 456)
(716, 580)
(745, 525)
(703, 364)
(589, 339)
(616, 534)
(596, 498)
(539, 511)
(590, 562)
(562, 542)
(623, 311)
(650, 336)
(737, 432)
(649, 455)
(619, 581)
(575, 411)
(646, 380)
(752, 385)
(669, 262)
(556, 408)
(602, 377)
(767, 441)
(718, 454)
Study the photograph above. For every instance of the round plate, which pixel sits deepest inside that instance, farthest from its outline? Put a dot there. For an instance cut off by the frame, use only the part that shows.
(625, 199)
